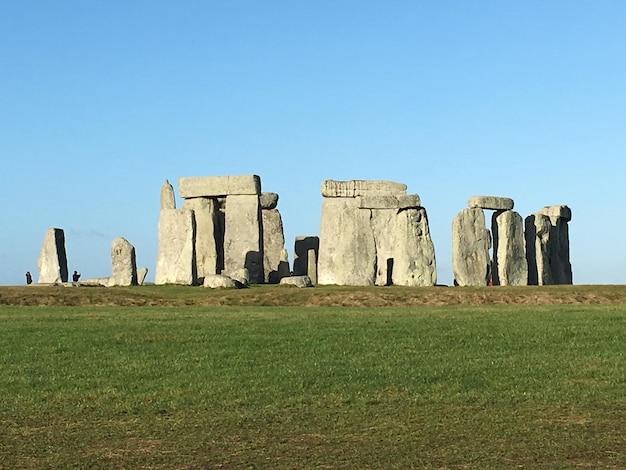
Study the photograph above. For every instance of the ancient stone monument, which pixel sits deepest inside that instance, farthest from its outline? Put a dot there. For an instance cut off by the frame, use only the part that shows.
(306, 252)
(220, 230)
(547, 246)
(123, 263)
(373, 233)
(52, 262)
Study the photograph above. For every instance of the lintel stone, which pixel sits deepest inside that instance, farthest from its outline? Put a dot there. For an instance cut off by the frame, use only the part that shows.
(563, 212)
(490, 202)
(215, 186)
(354, 188)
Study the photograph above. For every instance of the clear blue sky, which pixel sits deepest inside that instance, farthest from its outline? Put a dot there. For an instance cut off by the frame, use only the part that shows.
(101, 101)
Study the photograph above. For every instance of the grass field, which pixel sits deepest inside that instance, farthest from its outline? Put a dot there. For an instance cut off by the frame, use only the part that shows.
(176, 381)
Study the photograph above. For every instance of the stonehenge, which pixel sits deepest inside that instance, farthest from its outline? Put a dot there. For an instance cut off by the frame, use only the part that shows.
(52, 262)
(533, 251)
(373, 233)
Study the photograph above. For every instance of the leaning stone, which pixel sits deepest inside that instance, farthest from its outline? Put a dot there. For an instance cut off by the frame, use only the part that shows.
(303, 248)
(219, 281)
(470, 248)
(175, 256)
(347, 252)
(214, 186)
(413, 261)
(243, 243)
(354, 188)
(298, 281)
(555, 212)
(168, 200)
(52, 260)
(123, 263)
(206, 221)
(509, 267)
(273, 244)
(141, 275)
(269, 200)
(490, 202)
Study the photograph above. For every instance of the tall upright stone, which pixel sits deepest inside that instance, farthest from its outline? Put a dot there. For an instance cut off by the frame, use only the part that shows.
(509, 267)
(471, 242)
(52, 262)
(205, 212)
(168, 200)
(123, 263)
(273, 237)
(414, 252)
(176, 254)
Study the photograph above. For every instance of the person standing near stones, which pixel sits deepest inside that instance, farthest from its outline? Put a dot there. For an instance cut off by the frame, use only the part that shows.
(75, 276)
(29, 278)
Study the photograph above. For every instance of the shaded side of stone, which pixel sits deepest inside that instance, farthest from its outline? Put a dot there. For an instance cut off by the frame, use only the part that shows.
(52, 262)
(537, 237)
(306, 249)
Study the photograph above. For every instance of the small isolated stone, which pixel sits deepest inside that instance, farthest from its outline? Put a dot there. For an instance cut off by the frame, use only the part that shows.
(298, 281)
(219, 281)
(490, 202)
(141, 275)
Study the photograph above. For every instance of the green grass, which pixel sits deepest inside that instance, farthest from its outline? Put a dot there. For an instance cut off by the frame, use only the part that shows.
(275, 387)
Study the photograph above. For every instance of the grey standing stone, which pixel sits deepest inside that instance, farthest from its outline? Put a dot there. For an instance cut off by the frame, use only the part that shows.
(414, 252)
(176, 256)
(168, 200)
(52, 262)
(312, 265)
(490, 202)
(470, 248)
(123, 263)
(510, 267)
(243, 236)
(273, 244)
(383, 226)
(141, 275)
(304, 248)
(283, 266)
(206, 222)
(537, 249)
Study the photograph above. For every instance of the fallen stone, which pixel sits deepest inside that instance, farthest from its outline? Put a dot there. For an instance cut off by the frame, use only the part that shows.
(123, 263)
(509, 267)
(52, 262)
(214, 186)
(470, 248)
(298, 281)
(241, 276)
(490, 202)
(219, 281)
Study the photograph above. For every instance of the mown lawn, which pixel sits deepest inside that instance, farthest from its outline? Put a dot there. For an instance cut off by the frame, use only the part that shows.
(498, 386)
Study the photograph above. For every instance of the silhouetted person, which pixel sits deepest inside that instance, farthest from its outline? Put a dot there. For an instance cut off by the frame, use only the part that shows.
(75, 276)
(29, 278)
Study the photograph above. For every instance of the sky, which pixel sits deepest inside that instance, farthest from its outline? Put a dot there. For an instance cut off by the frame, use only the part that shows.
(102, 100)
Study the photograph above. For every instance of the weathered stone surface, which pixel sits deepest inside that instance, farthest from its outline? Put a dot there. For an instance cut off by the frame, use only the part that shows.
(312, 265)
(269, 200)
(243, 236)
(413, 261)
(168, 200)
(302, 260)
(400, 201)
(347, 252)
(96, 282)
(283, 266)
(52, 260)
(219, 281)
(298, 281)
(241, 276)
(206, 221)
(490, 202)
(509, 267)
(383, 227)
(554, 212)
(141, 275)
(176, 256)
(273, 244)
(470, 248)
(353, 188)
(123, 263)
(213, 186)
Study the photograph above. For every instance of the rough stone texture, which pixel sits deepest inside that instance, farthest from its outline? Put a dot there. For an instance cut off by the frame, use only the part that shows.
(347, 253)
(175, 257)
(168, 200)
(353, 188)
(490, 202)
(141, 275)
(206, 221)
(298, 281)
(123, 263)
(559, 211)
(219, 281)
(241, 276)
(302, 255)
(283, 266)
(383, 227)
(52, 260)
(213, 186)
(312, 265)
(95, 282)
(547, 246)
(243, 236)
(269, 200)
(413, 252)
(273, 244)
(388, 202)
(509, 267)
(470, 248)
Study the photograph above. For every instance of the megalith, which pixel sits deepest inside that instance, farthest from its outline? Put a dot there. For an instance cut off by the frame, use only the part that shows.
(273, 237)
(509, 266)
(123, 263)
(413, 251)
(168, 200)
(471, 242)
(176, 254)
(243, 237)
(306, 249)
(52, 262)
(206, 218)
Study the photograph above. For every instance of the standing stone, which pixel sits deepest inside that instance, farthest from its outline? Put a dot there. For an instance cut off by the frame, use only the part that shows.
(176, 256)
(312, 265)
(560, 264)
(283, 266)
(510, 267)
(206, 223)
(305, 250)
(414, 252)
(470, 248)
(243, 236)
(123, 262)
(347, 253)
(273, 244)
(141, 275)
(52, 261)
(168, 201)
(383, 226)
